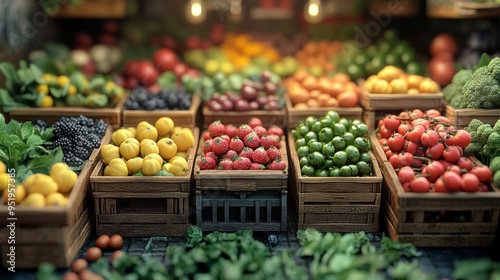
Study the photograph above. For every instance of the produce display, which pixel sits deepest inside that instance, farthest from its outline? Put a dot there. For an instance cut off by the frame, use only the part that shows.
(307, 91)
(249, 146)
(148, 150)
(316, 57)
(391, 80)
(427, 153)
(30, 86)
(333, 146)
(142, 99)
(478, 87)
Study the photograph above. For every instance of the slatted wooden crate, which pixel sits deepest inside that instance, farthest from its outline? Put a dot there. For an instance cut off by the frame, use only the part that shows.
(341, 204)
(52, 234)
(112, 116)
(296, 115)
(181, 118)
(141, 206)
(268, 118)
(94, 9)
(462, 117)
(239, 210)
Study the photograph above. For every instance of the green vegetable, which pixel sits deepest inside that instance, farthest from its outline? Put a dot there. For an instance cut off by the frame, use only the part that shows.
(485, 143)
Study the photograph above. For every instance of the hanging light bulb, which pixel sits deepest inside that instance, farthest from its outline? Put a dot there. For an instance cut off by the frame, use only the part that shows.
(236, 10)
(313, 11)
(196, 11)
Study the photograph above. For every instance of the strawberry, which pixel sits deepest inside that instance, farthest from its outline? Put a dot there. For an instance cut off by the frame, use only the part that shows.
(236, 144)
(225, 164)
(273, 153)
(257, 166)
(253, 122)
(242, 163)
(243, 130)
(231, 154)
(216, 129)
(276, 141)
(212, 155)
(260, 156)
(276, 130)
(207, 146)
(246, 163)
(260, 130)
(246, 152)
(225, 136)
(206, 136)
(220, 146)
(252, 140)
(277, 164)
(266, 141)
(231, 130)
(207, 163)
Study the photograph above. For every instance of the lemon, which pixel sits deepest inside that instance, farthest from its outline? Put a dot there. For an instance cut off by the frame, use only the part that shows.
(62, 81)
(56, 199)
(19, 195)
(47, 101)
(42, 89)
(72, 90)
(41, 183)
(48, 78)
(4, 181)
(34, 199)
(3, 168)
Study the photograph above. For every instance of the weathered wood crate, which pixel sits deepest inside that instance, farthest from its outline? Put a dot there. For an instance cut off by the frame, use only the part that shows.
(112, 116)
(341, 204)
(181, 118)
(52, 234)
(296, 115)
(141, 206)
(268, 118)
(462, 117)
(239, 210)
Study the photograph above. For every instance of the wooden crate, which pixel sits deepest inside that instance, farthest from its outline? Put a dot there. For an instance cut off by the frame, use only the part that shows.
(241, 210)
(296, 115)
(341, 204)
(94, 9)
(52, 234)
(268, 118)
(111, 116)
(180, 118)
(404, 214)
(399, 101)
(142, 206)
(462, 117)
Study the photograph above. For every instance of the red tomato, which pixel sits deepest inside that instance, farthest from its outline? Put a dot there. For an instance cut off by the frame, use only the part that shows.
(404, 127)
(470, 182)
(407, 159)
(391, 122)
(462, 138)
(417, 114)
(439, 186)
(389, 153)
(420, 185)
(435, 169)
(442, 119)
(483, 173)
(429, 138)
(415, 134)
(435, 152)
(451, 154)
(448, 140)
(432, 113)
(383, 141)
(452, 181)
(396, 161)
(404, 115)
(465, 163)
(406, 187)
(386, 133)
(410, 147)
(396, 142)
(423, 122)
(446, 164)
(417, 163)
(456, 169)
(165, 59)
(406, 174)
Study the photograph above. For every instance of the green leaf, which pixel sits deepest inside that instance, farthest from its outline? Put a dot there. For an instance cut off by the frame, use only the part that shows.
(57, 92)
(9, 71)
(4, 156)
(27, 129)
(37, 72)
(34, 140)
(39, 162)
(97, 82)
(2, 121)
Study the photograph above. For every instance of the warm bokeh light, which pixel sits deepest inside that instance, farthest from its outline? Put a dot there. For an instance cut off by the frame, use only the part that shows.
(313, 11)
(196, 11)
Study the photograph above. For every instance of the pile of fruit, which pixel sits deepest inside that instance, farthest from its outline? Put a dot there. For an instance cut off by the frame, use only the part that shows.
(142, 99)
(333, 146)
(30, 86)
(249, 146)
(261, 94)
(427, 153)
(148, 150)
(316, 56)
(393, 80)
(307, 91)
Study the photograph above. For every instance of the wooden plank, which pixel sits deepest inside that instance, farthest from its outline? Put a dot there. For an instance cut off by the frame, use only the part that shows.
(460, 118)
(341, 227)
(341, 198)
(94, 9)
(144, 230)
(444, 228)
(228, 227)
(181, 118)
(269, 118)
(337, 218)
(142, 218)
(449, 240)
(141, 195)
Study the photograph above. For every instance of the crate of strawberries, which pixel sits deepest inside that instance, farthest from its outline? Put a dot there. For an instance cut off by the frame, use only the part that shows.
(435, 195)
(229, 199)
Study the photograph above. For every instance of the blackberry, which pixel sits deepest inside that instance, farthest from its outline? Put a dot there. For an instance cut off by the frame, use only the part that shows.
(161, 104)
(150, 104)
(40, 124)
(172, 101)
(100, 128)
(185, 103)
(62, 142)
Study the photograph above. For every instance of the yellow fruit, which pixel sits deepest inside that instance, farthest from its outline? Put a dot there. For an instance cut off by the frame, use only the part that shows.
(62, 81)
(48, 78)
(183, 155)
(134, 164)
(174, 158)
(174, 169)
(143, 123)
(40, 183)
(109, 152)
(118, 167)
(3, 168)
(175, 130)
(413, 91)
(106, 171)
(428, 86)
(120, 135)
(42, 89)
(151, 148)
(184, 139)
(129, 148)
(146, 142)
(47, 101)
(390, 73)
(4, 181)
(132, 129)
(414, 80)
(72, 90)
(34, 199)
(381, 86)
(56, 199)
(398, 86)
(164, 125)
(150, 166)
(65, 178)
(18, 195)
(167, 147)
(157, 157)
(146, 132)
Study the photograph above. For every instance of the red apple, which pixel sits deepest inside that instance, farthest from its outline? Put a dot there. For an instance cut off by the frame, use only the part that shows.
(146, 73)
(165, 59)
(180, 69)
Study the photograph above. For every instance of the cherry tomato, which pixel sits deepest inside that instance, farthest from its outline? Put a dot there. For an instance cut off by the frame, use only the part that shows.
(79, 265)
(395, 161)
(432, 113)
(446, 164)
(451, 154)
(406, 174)
(391, 122)
(116, 242)
(442, 119)
(423, 122)
(386, 133)
(470, 182)
(435, 169)
(462, 138)
(415, 134)
(483, 173)
(382, 141)
(410, 147)
(439, 186)
(420, 185)
(406, 187)
(429, 138)
(102, 242)
(465, 163)
(396, 142)
(456, 169)
(417, 114)
(448, 140)
(93, 254)
(407, 159)
(452, 181)
(436, 151)
(404, 127)
(404, 115)
(389, 153)
(417, 163)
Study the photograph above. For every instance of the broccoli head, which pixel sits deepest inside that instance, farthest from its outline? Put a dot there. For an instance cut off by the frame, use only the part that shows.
(456, 101)
(483, 132)
(481, 91)
(496, 127)
(494, 139)
(474, 148)
(473, 125)
(450, 91)
(461, 77)
(494, 68)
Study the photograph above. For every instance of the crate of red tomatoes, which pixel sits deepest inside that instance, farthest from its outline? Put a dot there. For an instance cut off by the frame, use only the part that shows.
(241, 176)
(434, 194)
